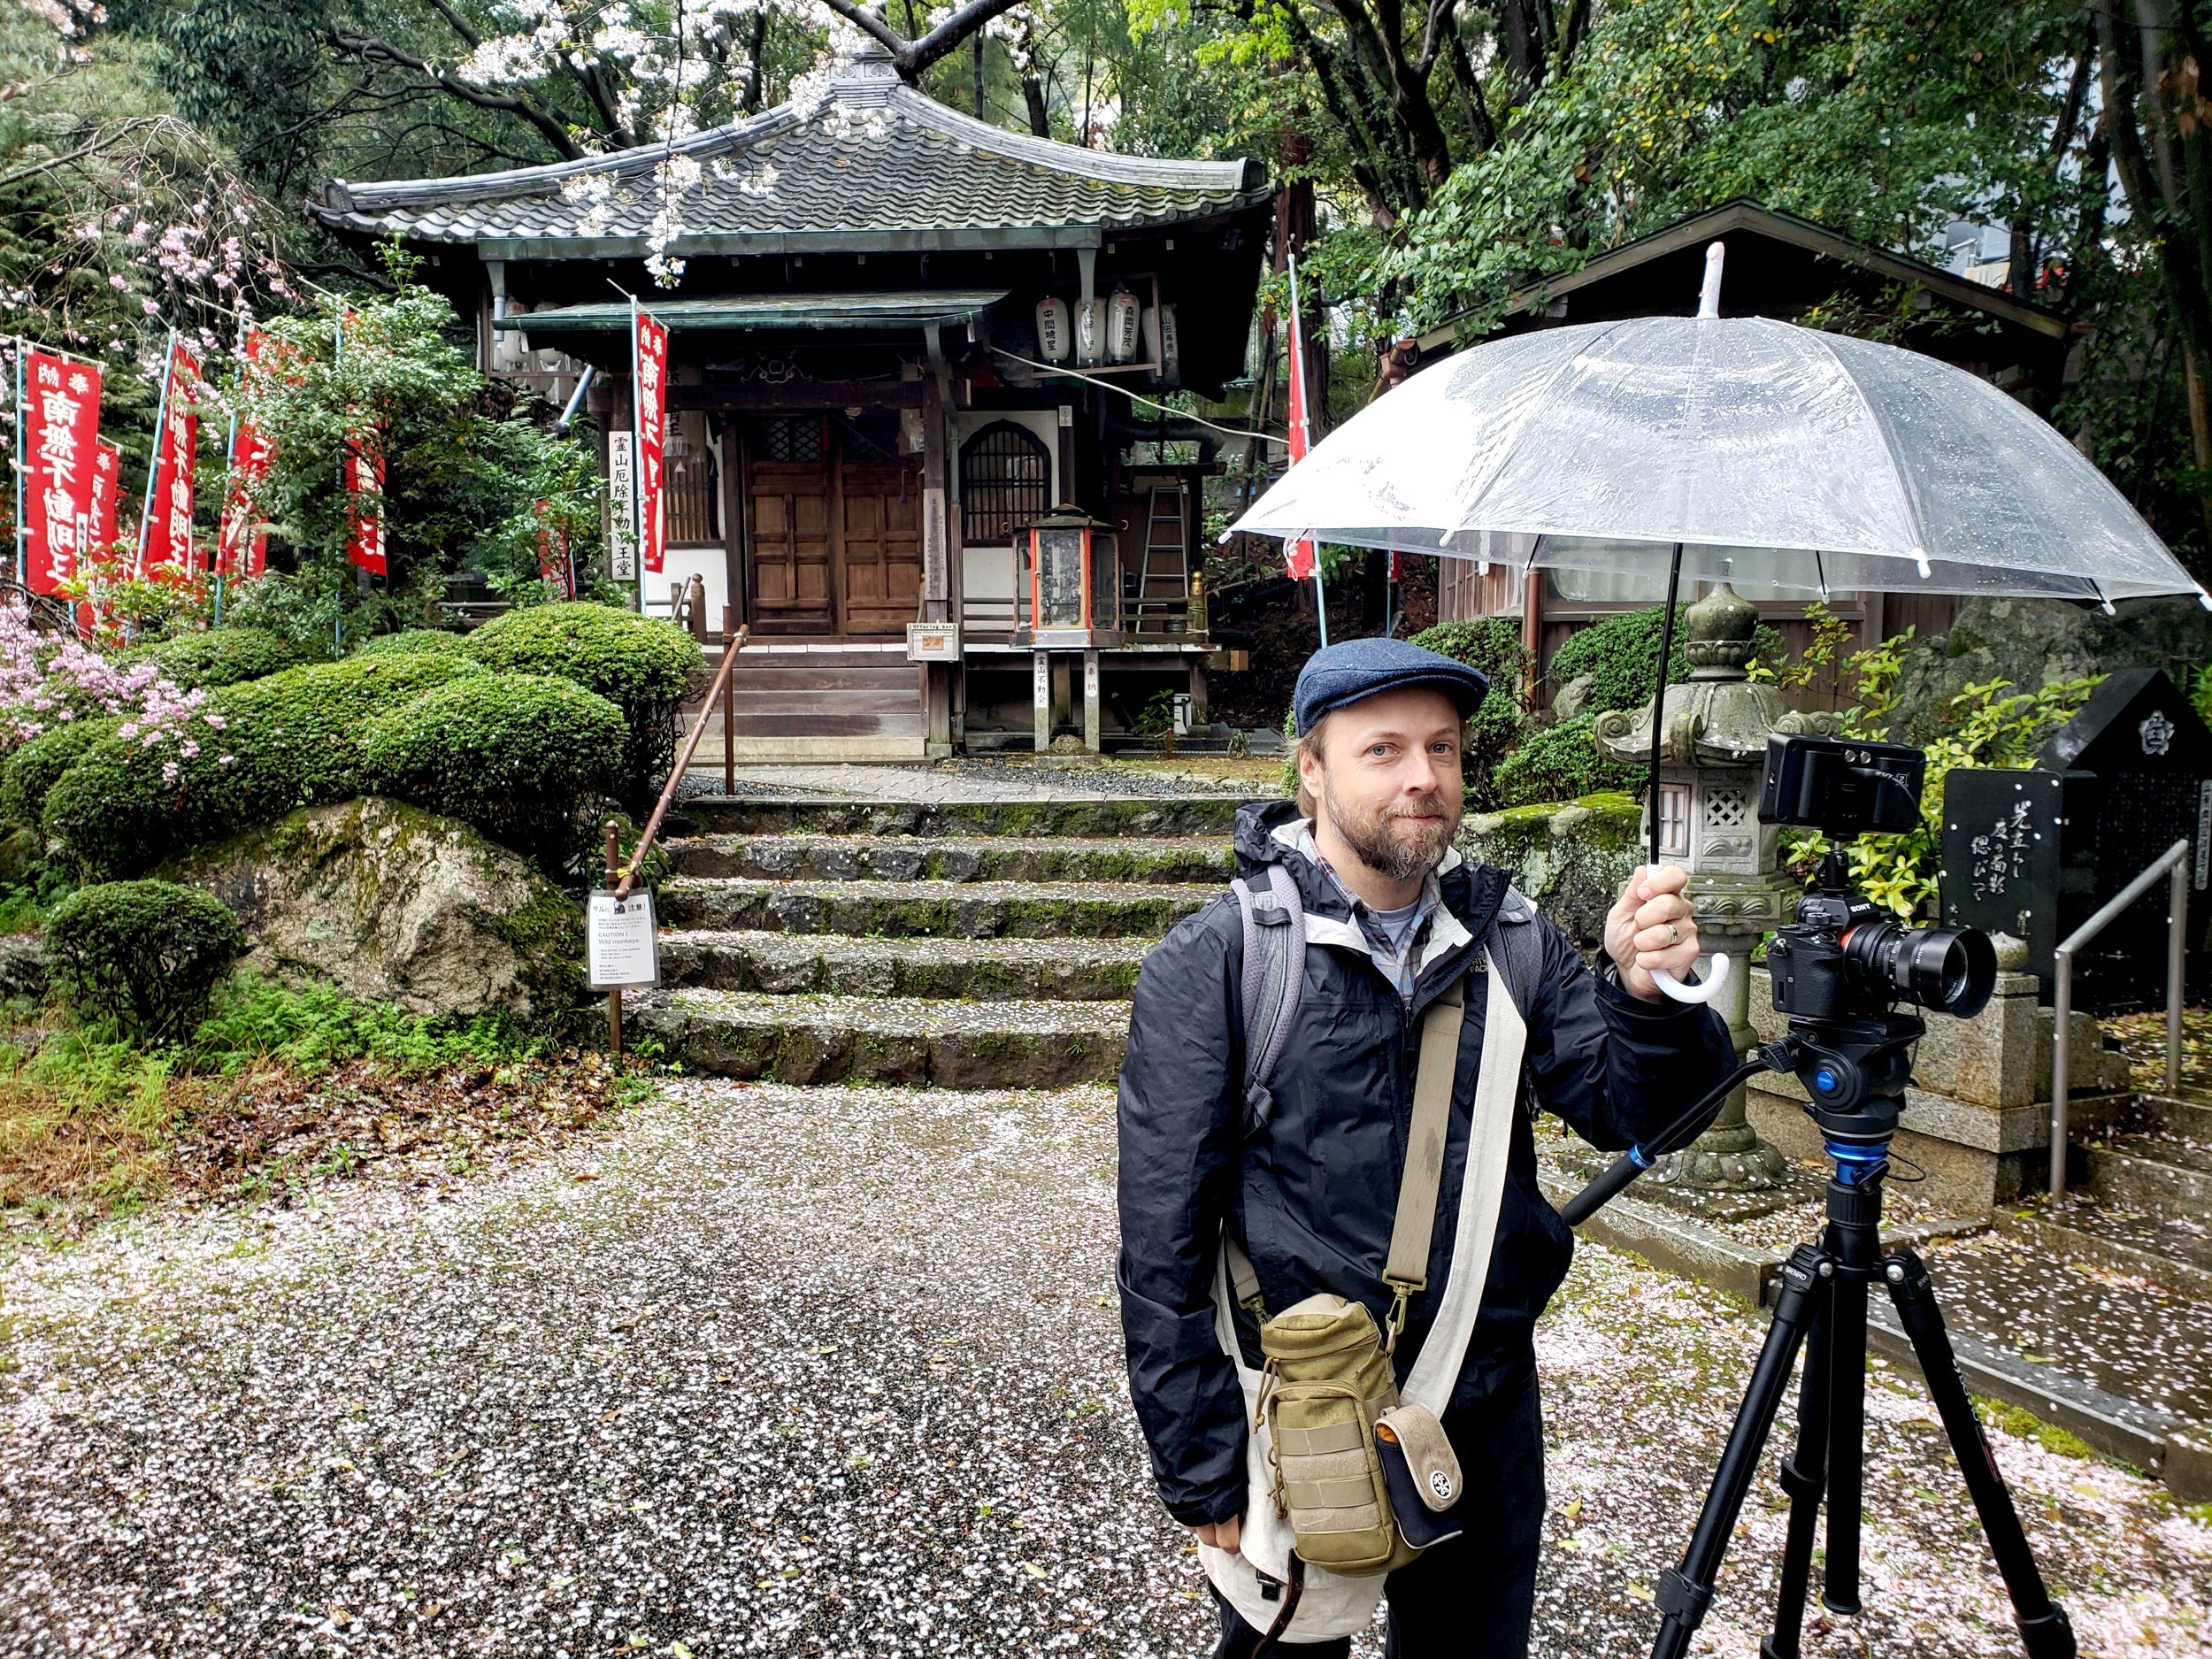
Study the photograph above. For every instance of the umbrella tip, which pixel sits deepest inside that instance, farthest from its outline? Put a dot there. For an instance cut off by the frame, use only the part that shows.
(2204, 599)
(1223, 541)
(1709, 295)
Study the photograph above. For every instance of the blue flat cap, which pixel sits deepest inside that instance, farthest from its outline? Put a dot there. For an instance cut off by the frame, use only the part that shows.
(1337, 675)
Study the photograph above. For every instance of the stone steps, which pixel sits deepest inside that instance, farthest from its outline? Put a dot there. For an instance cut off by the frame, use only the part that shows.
(918, 909)
(994, 970)
(961, 859)
(2175, 1254)
(2133, 1173)
(2188, 1114)
(1209, 815)
(887, 1040)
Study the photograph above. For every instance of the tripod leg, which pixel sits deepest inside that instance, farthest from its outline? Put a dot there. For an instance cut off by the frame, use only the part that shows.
(1804, 1474)
(1846, 1444)
(1687, 1590)
(2045, 1631)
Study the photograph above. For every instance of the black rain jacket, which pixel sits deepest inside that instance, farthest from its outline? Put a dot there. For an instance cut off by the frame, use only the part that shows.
(1312, 1195)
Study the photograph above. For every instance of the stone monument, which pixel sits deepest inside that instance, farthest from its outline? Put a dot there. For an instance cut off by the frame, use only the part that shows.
(1714, 729)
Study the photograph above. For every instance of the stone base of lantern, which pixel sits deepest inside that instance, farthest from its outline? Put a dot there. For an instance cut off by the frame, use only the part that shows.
(1730, 1159)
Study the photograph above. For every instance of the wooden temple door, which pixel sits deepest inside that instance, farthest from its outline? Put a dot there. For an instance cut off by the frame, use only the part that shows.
(790, 496)
(879, 545)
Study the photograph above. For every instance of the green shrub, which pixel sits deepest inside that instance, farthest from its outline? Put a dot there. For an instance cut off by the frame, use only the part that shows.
(146, 953)
(1619, 651)
(291, 739)
(33, 770)
(1617, 654)
(643, 665)
(521, 757)
(411, 641)
(1493, 646)
(1559, 762)
(224, 657)
(255, 1020)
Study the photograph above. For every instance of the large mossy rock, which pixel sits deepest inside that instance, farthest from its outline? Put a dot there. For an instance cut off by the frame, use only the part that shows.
(2032, 642)
(1571, 857)
(391, 903)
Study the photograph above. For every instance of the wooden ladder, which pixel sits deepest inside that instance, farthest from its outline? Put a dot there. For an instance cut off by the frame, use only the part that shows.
(1164, 582)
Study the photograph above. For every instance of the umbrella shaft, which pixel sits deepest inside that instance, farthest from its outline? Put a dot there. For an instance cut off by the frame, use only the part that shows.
(1659, 695)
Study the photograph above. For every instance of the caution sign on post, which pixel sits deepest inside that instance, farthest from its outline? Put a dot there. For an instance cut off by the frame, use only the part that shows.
(621, 944)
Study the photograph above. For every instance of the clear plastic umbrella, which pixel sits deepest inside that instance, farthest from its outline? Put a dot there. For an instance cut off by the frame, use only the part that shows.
(1737, 450)
(1776, 458)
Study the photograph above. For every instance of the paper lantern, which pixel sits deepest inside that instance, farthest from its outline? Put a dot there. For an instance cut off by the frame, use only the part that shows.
(1123, 314)
(1090, 332)
(1171, 353)
(1052, 329)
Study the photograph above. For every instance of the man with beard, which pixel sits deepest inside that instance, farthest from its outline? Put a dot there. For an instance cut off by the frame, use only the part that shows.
(1308, 1191)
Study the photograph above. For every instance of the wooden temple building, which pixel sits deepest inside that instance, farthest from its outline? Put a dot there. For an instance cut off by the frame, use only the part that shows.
(901, 338)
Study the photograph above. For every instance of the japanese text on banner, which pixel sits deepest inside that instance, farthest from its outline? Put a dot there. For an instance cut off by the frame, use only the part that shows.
(242, 545)
(652, 439)
(165, 545)
(60, 426)
(364, 506)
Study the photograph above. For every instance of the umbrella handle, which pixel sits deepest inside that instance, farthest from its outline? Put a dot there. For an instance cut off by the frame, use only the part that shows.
(1703, 992)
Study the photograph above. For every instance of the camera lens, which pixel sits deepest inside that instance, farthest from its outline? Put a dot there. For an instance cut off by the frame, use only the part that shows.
(1950, 969)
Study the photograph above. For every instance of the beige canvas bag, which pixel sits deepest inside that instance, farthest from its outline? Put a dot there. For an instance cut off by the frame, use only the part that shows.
(1258, 1580)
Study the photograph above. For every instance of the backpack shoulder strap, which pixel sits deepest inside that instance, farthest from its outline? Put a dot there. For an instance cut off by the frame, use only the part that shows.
(1519, 946)
(1274, 976)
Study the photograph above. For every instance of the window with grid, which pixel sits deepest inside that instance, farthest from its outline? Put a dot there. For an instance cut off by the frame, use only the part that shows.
(1005, 482)
(789, 438)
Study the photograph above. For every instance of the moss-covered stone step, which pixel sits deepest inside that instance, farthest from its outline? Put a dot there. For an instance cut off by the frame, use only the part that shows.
(963, 858)
(991, 970)
(766, 815)
(886, 1039)
(951, 909)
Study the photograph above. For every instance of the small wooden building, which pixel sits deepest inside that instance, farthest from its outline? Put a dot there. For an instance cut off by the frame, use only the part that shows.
(879, 372)
(1778, 266)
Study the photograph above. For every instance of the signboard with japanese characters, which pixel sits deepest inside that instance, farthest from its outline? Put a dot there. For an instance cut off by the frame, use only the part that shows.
(622, 507)
(60, 424)
(364, 506)
(2036, 853)
(621, 945)
(242, 542)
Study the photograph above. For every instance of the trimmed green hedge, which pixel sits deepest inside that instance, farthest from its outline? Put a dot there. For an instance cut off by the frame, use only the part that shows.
(291, 739)
(411, 641)
(1559, 762)
(523, 758)
(224, 657)
(146, 953)
(1617, 654)
(34, 769)
(643, 665)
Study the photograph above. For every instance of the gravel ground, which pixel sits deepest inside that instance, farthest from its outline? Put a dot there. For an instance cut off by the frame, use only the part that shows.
(822, 1371)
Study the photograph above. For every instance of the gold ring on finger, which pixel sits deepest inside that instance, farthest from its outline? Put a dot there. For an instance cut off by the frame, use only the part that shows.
(1674, 933)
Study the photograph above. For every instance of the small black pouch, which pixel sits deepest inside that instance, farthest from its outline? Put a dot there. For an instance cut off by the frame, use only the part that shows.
(1421, 1475)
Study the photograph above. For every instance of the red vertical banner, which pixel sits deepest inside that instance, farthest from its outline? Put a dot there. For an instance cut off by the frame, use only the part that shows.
(165, 540)
(553, 560)
(243, 546)
(650, 340)
(61, 428)
(364, 506)
(1299, 553)
(107, 487)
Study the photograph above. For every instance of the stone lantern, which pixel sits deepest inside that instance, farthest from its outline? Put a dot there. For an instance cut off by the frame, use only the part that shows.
(1713, 745)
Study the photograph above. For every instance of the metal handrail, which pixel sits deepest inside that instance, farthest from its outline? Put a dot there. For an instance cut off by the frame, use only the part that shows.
(628, 873)
(2175, 858)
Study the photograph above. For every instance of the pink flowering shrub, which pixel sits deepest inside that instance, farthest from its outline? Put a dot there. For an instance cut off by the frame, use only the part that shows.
(44, 686)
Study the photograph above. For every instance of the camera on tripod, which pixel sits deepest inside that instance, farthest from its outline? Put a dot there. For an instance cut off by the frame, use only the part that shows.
(1841, 968)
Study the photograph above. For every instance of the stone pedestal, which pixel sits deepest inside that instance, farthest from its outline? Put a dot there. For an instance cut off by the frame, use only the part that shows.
(1977, 1116)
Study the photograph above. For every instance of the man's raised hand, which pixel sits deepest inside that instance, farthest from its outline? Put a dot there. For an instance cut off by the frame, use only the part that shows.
(1650, 926)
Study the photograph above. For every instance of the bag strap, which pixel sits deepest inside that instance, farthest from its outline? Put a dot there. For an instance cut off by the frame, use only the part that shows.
(1518, 949)
(1407, 1269)
(1273, 978)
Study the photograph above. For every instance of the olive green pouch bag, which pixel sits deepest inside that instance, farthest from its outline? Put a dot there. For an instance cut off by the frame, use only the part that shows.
(1327, 1379)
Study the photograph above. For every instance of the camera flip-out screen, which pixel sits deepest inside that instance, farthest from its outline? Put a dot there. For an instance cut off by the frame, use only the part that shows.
(1841, 786)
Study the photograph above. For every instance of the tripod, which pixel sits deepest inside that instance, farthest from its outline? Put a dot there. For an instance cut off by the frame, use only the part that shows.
(1854, 1069)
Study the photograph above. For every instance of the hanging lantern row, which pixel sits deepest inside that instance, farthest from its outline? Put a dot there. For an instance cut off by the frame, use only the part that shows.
(1113, 332)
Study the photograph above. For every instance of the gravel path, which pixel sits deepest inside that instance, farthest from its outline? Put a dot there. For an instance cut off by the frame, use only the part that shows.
(821, 1371)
